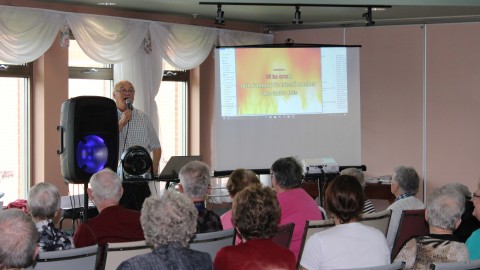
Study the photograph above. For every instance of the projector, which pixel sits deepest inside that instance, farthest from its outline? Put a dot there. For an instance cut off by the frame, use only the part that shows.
(315, 166)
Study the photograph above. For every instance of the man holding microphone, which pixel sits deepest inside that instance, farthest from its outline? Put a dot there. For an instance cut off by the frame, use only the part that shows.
(135, 128)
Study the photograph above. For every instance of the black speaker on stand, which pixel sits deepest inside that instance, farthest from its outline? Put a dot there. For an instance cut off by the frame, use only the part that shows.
(88, 139)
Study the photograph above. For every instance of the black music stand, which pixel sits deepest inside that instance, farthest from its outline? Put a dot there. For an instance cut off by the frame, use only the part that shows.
(173, 167)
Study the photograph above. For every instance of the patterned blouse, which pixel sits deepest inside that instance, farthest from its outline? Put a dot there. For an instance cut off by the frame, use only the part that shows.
(51, 238)
(421, 251)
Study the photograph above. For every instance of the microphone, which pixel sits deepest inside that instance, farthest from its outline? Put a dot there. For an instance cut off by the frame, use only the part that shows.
(129, 104)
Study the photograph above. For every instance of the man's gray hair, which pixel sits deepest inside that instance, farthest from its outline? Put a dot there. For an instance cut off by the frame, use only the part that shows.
(195, 179)
(170, 218)
(407, 179)
(445, 207)
(18, 238)
(106, 185)
(43, 201)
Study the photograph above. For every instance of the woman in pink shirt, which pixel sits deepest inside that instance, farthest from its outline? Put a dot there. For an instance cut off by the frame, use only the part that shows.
(296, 205)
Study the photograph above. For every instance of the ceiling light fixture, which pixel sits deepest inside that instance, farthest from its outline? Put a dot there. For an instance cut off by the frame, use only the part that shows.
(219, 19)
(297, 19)
(368, 17)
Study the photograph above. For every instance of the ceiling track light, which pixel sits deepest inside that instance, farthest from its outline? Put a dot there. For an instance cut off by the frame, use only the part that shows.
(297, 19)
(219, 19)
(368, 17)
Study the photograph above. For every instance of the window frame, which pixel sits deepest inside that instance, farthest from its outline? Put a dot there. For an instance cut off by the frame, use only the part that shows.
(90, 73)
(24, 71)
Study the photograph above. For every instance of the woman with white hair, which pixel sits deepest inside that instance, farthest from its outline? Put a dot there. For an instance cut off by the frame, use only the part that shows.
(445, 206)
(168, 223)
(405, 183)
(43, 205)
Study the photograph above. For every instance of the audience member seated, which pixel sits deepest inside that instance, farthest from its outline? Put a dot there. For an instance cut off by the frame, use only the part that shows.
(295, 203)
(18, 238)
(195, 183)
(237, 181)
(404, 186)
(168, 223)
(473, 242)
(255, 215)
(357, 173)
(114, 223)
(445, 206)
(349, 244)
(469, 222)
(43, 205)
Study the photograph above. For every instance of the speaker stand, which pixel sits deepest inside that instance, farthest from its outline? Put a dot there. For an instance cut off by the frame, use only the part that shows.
(85, 202)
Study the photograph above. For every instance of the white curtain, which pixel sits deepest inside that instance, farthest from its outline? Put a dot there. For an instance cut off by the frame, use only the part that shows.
(107, 39)
(26, 34)
(182, 46)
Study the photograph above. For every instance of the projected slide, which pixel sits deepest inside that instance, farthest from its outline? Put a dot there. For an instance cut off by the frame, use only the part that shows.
(281, 82)
(273, 102)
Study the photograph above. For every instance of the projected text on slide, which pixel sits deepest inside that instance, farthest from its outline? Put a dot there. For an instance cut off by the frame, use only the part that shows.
(280, 81)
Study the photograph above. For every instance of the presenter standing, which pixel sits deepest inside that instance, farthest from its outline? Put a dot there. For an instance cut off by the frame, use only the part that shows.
(135, 128)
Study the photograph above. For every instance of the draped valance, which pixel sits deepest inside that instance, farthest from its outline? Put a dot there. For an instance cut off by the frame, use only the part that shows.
(137, 48)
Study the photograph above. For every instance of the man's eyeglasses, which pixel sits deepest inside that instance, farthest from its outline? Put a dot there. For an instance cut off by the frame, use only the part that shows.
(474, 195)
(124, 91)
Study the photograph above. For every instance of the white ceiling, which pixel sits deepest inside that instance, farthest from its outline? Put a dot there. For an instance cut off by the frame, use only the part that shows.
(280, 17)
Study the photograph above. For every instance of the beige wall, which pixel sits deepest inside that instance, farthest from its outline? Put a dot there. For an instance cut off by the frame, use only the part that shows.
(207, 91)
(410, 117)
(50, 89)
(453, 104)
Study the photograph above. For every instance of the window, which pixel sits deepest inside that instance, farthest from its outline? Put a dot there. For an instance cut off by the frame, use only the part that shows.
(87, 77)
(14, 139)
(172, 113)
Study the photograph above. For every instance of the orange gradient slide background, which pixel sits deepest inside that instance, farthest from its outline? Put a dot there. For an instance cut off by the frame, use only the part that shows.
(272, 76)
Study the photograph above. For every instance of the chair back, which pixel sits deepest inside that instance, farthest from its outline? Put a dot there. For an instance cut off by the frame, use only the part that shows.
(474, 264)
(284, 234)
(71, 259)
(412, 224)
(212, 242)
(379, 220)
(312, 227)
(115, 253)
(392, 266)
